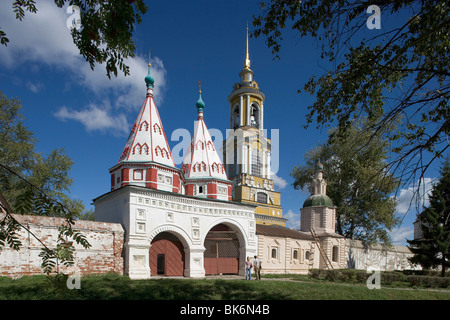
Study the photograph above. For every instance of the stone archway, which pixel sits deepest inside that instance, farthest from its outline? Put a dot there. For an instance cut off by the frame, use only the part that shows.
(222, 250)
(167, 257)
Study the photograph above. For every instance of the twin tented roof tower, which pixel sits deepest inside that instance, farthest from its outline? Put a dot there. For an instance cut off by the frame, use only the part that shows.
(244, 175)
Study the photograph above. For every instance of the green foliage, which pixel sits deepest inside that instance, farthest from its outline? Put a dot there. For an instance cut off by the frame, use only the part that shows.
(21, 165)
(397, 75)
(8, 233)
(52, 258)
(429, 282)
(36, 185)
(106, 33)
(357, 182)
(433, 249)
(387, 278)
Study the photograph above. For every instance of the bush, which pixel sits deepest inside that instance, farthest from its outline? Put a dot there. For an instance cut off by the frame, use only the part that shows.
(356, 276)
(430, 273)
(388, 277)
(429, 282)
(343, 275)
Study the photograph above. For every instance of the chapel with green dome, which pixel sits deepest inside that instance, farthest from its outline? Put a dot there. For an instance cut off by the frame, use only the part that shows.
(318, 211)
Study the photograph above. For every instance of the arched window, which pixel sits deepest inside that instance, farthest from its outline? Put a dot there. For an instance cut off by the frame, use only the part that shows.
(261, 197)
(254, 115)
(236, 121)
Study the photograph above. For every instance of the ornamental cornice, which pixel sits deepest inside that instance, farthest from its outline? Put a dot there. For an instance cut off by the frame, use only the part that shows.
(247, 90)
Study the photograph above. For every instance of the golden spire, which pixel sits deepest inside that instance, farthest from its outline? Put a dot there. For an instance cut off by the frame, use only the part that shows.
(247, 59)
(149, 64)
(200, 86)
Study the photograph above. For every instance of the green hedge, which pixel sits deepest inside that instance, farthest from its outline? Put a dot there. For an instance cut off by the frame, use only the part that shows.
(429, 282)
(387, 277)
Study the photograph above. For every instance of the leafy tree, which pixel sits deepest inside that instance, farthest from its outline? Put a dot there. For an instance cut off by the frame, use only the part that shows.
(433, 249)
(21, 165)
(36, 185)
(106, 29)
(357, 182)
(398, 73)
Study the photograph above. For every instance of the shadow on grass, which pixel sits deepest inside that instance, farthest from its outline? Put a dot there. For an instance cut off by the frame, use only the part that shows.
(118, 287)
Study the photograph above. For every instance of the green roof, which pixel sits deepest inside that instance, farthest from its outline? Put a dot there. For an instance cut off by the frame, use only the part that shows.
(318, 200)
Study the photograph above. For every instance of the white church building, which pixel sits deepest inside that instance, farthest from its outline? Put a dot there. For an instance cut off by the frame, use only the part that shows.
(194, 221)
(177, 222)
(204, 218)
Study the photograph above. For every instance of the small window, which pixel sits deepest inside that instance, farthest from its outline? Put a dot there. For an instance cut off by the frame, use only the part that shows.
(274, 253)
(307, 255)
(335, 254)
(137, 174)
(201, 189)
(295, 255)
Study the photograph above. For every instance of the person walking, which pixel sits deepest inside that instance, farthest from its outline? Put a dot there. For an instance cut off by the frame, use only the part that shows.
(248, 269)
(257, 265)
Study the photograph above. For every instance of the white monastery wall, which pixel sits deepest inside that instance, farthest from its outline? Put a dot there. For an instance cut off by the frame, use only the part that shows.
(103, 256)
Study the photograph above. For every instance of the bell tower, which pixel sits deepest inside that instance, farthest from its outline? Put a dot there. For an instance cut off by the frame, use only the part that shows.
(247, 152)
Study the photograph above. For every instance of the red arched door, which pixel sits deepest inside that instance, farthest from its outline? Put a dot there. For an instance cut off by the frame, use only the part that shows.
(221, 251)
(166, 255)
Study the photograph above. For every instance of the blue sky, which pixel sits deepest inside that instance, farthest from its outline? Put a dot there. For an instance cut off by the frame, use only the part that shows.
(68, 105)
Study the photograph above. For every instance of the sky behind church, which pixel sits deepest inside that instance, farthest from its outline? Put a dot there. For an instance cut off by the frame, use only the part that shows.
(68, 105)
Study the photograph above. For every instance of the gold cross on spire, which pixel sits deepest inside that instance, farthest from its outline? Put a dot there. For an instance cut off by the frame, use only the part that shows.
(247, 58)
(200, 86)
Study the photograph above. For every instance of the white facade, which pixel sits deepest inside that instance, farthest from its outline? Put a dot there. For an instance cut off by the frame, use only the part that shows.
(144, 213)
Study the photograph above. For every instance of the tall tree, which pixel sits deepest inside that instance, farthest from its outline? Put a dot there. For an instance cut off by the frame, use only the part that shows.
(35, 185)
(50, 174)
(357, 182)
(399, 72)
(106, 29)
(433, 248)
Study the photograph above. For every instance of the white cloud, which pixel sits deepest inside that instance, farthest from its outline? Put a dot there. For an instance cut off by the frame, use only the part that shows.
(44, 40)
(293, 219)
(34, 87)
(413, 196)
(41, 37)
(95, 119)
(399, 235)
(279, 182)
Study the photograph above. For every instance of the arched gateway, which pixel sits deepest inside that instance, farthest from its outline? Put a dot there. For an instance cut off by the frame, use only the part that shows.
(221, 251)
(166, 255)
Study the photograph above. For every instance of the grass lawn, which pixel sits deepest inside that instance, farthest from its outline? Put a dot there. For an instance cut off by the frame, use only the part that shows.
(111, 286)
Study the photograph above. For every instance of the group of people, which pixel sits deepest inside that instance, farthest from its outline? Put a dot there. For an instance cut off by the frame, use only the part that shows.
(249, 264)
